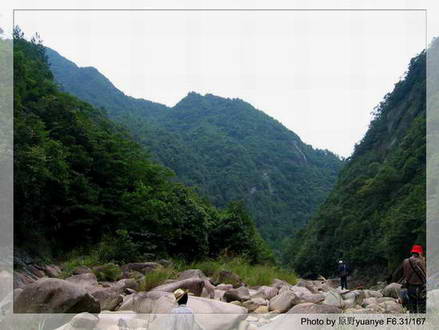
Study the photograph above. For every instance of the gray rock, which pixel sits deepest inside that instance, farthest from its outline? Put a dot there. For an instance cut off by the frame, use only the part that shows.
(84, 321)
(333, 298)
(283, 301)
(50, 295)
(392, 290)
(108, 298)
(267, 292)
(87, 281)
(239, 294)
(310, 308)
(194, 285)
(308, 284)
(191, 273)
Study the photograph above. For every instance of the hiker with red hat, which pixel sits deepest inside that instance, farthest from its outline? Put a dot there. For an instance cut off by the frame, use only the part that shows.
(413, 280)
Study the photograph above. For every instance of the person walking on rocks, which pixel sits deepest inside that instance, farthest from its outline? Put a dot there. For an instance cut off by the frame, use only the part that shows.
(413, 279)
(343, 271)
(182, 317)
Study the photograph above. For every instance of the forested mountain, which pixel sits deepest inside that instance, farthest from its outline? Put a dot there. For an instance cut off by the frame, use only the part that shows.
(377, 209)
(81, 182)
(225, 147)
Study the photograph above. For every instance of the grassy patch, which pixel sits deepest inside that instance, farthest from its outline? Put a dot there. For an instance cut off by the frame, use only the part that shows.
(78, 260)
(157, 277)
(108, 272)
(252, 275)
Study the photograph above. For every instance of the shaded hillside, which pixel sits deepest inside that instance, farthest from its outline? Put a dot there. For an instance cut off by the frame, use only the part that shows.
(377, 209)
(225, 147)
(81, 182)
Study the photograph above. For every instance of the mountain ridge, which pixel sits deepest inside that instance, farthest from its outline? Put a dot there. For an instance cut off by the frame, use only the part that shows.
(225, 147)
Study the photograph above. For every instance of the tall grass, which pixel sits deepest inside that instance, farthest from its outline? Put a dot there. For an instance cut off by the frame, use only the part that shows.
(157, 277)
(251, 274)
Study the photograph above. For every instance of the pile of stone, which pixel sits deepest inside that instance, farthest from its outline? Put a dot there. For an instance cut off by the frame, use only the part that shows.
(102, 305)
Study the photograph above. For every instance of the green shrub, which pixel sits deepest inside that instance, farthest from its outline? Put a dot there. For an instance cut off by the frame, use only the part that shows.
(118, 248)
(107, 272)
(75, 260)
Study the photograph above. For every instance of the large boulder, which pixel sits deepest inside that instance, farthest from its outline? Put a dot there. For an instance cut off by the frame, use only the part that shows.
(191, 273)
(314, 298)
(84, 321)
(333, 298)
(310, 308)
(308, 284)
(391, 307)
(142, 302)
(392, 290)
(118, 321)
(266, 292)
(230, 315)
(50, 295)
(278, 284)
(356, 296)
(126, 283)
(194, 285)
(108, 298)
(283, 301)
(164, 305)
(239, 294)
(86, 281)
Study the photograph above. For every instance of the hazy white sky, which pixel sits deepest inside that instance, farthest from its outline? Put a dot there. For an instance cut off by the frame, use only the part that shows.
(319, 73)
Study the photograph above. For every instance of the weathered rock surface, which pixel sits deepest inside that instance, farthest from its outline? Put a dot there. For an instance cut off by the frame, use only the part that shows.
(194, 285)
(266, 292)
(86, 281)
(141, 267)
(49, 295)
(84, 321)
(333, 298)
(108, 298)
(191, 273)
(392, 290)
(310, 308)
(239, 294)
(283, 301)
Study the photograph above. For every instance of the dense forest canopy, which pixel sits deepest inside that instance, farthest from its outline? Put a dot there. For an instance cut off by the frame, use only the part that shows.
(81, 181)
(224, 147)
(377, 209)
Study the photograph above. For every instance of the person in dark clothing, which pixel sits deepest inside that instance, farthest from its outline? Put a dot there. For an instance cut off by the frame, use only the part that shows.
(343, 271)
(412, 275)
